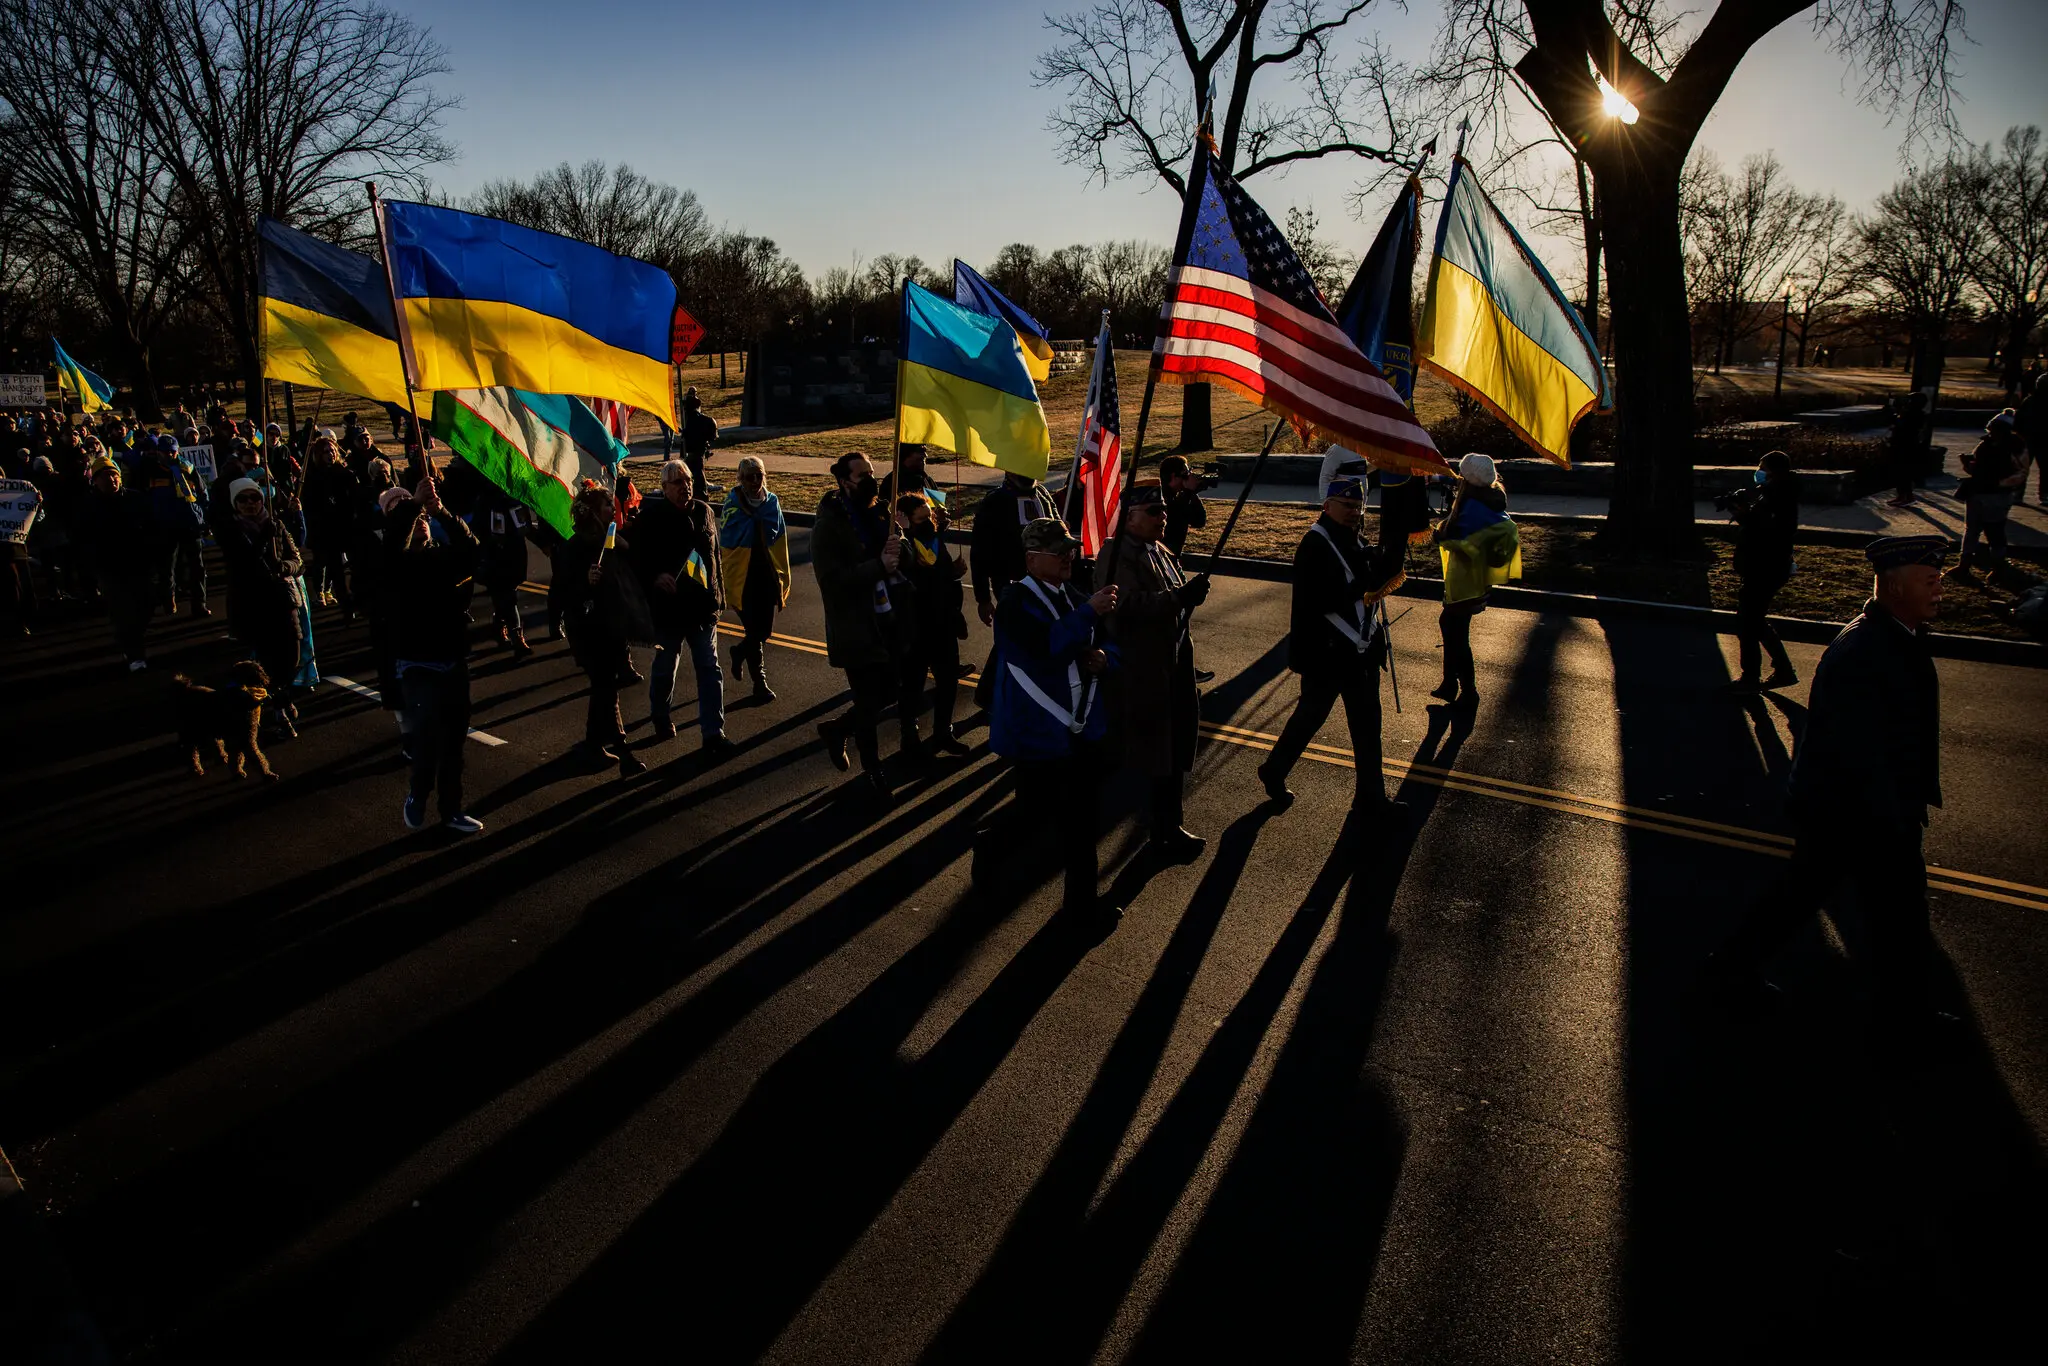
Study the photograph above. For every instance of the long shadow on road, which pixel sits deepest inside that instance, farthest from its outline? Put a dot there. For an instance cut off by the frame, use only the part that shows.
(1794, 1192)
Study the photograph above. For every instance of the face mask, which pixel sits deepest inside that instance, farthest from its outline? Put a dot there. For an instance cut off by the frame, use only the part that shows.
(1758, 477)
(864, 491)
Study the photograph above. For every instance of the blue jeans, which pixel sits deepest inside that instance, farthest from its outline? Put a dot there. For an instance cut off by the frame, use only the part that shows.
(661, 678)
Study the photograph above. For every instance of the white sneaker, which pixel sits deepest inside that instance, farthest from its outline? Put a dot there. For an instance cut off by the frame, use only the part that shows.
(136, 666)
(465, 825)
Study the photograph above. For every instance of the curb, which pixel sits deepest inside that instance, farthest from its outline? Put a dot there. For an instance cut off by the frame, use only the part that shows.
(43, 1318)
(1941, 644)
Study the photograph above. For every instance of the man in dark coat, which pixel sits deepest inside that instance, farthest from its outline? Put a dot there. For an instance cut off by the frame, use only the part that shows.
(432, 578)
(501, 523)
(1908, 445)
(675, 550)
(855, 550)
(698, 432)
(1154, 687)
(1335, 643)
(2033, 427)
(601, 604)
(1181, 488)
(1768, 515)
(1867, 768)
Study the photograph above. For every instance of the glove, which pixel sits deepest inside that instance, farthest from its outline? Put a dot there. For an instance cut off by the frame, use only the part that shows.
(1194, 592)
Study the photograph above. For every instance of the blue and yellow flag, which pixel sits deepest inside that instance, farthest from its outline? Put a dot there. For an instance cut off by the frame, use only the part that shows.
(484, 303)
(964, 387)
(697, 572)
(973, 292)
(93, 393)
(1481, 548)
(740, 525)
(327, 319)
(1496, 326)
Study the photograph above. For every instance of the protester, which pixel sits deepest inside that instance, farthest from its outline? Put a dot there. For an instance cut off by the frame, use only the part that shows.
(264, 595)
(855, 549)
(592, 577)
(380, 533)
(1181, 487)
(1479, 548)
(675, 550)
(995, 551)
(17, 582)
(52, 539)
(754, 554)
(1153, 692)
(1768, 518)
(119, 539)
(698, 432)
(178, 518)
(1865, 770)
(1335, 642)
(1047, 717)
(1908, 446)
(501, 523)
(1992, 480)
(931, 646)
(332, 502)
(2032, 422)
(908, 477)
(431, 582)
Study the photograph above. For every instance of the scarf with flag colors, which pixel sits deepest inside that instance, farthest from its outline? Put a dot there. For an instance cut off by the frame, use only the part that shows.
(740, 526)
(93, 393)
(971, 291)
(963, 387)
(327, 320)
(1497, 327)
(1095, 487)
(1378, 311)
(538, 448)
(484, 303)
(1242, 312)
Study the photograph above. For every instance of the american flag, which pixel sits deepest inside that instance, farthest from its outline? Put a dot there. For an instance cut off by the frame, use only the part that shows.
(1240, 311)
(615, 415)
(1096, 487)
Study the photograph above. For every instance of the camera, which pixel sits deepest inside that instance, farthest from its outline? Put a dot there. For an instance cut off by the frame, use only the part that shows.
(1736, 502)
(1208, 477)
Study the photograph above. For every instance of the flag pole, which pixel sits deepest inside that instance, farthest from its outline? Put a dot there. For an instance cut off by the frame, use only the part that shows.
(1093, 396)
(1258, 465)
(405, 355)
(896, 433)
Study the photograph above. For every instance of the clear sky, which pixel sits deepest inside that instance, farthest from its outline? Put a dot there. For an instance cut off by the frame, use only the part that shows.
(913, 126)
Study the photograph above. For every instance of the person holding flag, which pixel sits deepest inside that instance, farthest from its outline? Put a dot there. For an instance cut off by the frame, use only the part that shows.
(753, 553)
(932, 644)
(1335, 642)
(604, 612)
(1480, 548)
(675, 550)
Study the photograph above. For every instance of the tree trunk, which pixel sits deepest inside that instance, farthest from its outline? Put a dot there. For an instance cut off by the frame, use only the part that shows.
(2022, 324)
(141, 379)
(1651, 509)
(1196, 431)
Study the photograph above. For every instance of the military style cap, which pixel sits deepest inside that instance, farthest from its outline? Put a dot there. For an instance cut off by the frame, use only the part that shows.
(1141, 494)
(1048, 534)
(1345, 486)
(1896, 552)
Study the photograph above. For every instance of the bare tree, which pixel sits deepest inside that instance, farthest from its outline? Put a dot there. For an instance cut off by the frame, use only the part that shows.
(1634, 137)
(1326, 265)
(609, 206)
(740, 287)
(2011, 266)
(1129, 279)
(1918, 250)
(93, 193)
(1749, 235)
(276, 108)
(1293, 82)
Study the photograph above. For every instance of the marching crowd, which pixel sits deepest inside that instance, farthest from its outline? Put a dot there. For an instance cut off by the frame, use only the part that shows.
(1093, 665)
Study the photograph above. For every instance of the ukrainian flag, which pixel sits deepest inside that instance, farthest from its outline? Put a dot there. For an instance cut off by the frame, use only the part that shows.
(1496, 325)
(327, 318)
(971, 291)
(736, 542)
(963, 387)
(93, 393)
(485, 303)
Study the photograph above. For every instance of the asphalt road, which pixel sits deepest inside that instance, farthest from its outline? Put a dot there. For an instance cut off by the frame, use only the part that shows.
(718, 1065)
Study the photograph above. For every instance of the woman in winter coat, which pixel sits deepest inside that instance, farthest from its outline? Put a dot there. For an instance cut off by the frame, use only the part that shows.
(431, 579)
(932, 645)
(332, 501)
(1993, 479)
(754, 553)
(1480, 548)
(264, 563)
(597, 591)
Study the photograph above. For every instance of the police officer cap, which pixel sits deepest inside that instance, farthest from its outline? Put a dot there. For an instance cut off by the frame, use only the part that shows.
(1896, 552)
(1048, 534)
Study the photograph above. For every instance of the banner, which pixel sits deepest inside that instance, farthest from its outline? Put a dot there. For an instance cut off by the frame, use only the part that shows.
(22, 391)
(18, 503)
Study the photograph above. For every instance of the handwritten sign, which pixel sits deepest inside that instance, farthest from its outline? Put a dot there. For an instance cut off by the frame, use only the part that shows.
(202, 461)
(21, 391)
(18, 504)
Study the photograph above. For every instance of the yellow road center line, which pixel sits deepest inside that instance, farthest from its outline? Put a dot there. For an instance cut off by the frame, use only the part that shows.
(1692, 828)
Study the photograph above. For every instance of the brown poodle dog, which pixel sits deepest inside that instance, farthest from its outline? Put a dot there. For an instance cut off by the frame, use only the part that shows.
(224, 719)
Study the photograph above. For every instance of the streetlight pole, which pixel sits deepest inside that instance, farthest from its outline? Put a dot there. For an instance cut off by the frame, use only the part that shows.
(1784, 327)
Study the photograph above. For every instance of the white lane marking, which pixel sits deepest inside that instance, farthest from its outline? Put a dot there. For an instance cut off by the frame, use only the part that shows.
(481, 737)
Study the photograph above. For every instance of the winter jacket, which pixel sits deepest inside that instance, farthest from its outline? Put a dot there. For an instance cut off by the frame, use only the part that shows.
(847, 560)
(428, 590)
(664, 538)
(263, 566)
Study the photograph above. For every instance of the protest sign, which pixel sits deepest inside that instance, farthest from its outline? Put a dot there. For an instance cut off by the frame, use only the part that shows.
(18, 503)
(202, 461)
(21, 391)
